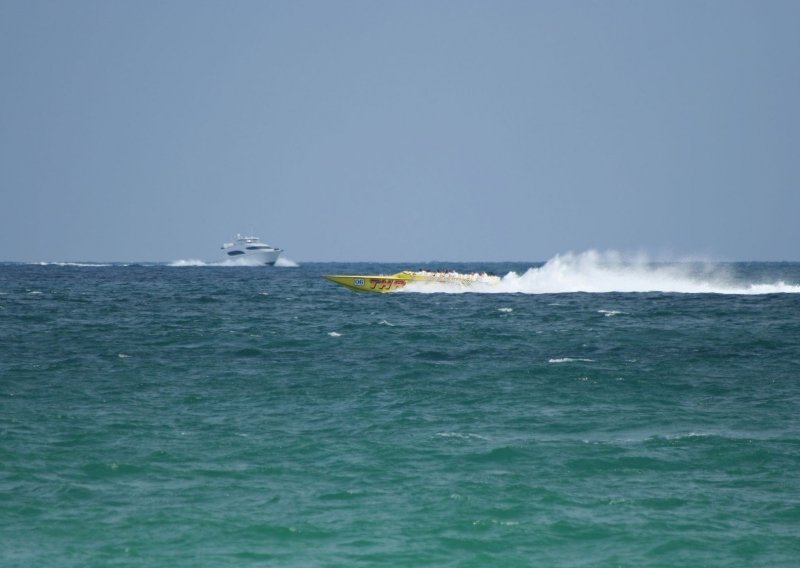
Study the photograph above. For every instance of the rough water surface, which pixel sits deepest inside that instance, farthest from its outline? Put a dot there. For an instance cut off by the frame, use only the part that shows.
(238, 416)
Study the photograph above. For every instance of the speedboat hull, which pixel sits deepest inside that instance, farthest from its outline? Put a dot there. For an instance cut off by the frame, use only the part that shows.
(379, 283)
(382, 283)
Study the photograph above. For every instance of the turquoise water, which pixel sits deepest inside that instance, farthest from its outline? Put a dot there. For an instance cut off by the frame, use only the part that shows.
(237, 416)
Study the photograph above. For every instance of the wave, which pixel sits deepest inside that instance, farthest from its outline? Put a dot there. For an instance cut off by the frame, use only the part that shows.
(596, 272)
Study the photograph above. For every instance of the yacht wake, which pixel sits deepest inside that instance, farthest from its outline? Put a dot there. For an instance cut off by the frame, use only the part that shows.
(281, 262)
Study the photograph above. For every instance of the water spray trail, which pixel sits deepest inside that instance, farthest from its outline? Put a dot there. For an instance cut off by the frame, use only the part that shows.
(596, 272)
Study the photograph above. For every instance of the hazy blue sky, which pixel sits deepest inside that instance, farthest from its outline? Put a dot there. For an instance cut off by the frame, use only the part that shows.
(395, 131)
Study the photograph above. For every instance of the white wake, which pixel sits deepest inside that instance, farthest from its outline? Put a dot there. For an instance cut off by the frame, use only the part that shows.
(596, 272)
(284, 262)
(280, 263)
(80, 264)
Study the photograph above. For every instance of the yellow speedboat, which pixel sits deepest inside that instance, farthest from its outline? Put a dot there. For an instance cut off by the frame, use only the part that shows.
(383, 283)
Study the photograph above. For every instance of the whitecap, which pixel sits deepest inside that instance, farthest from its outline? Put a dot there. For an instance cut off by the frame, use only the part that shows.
(461, 435)
(570, 360)
(505, 310)
(609, 313)
(687, 435)
(334, 334)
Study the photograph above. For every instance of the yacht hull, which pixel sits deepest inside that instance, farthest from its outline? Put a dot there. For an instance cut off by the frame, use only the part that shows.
(268, 258)
(249, 250)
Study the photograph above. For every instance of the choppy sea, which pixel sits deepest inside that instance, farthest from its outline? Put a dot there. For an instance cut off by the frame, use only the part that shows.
(585, 412)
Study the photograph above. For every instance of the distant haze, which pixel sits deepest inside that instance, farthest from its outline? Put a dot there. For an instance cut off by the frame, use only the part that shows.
(399, 131)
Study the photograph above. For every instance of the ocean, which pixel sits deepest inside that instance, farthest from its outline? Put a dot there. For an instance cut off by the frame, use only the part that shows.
(585, 412)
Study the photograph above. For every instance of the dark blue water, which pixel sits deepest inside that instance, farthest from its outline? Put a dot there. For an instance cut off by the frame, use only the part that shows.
(223, 416)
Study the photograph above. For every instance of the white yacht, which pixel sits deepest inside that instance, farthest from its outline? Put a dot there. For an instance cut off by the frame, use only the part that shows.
(251, 249)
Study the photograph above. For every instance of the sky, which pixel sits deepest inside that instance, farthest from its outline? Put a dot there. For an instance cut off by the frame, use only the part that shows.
(399, 131)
